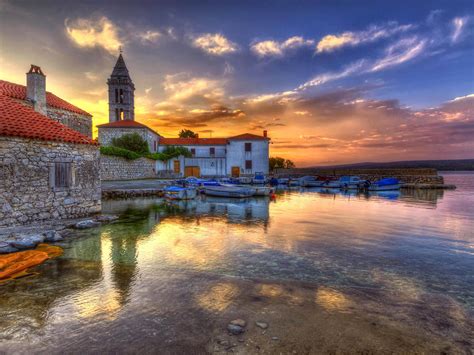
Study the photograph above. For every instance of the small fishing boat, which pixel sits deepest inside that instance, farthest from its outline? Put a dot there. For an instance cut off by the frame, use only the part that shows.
(294, 182)
(259, 179)
(331, 184)
(351, 182)
(385, 184)
(262, 190)
(180, 193)
(283, 181)
(311, 181)
(228, 191)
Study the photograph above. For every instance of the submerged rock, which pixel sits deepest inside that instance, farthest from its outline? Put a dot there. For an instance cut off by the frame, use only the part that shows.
(89, 223)
(26, 241)
(260, 324)
(106, 218)
(6, 248)
(52, 236)
(235, 329)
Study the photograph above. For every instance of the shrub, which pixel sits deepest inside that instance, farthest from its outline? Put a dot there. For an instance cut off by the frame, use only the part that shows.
(133, 142)
(119, 152)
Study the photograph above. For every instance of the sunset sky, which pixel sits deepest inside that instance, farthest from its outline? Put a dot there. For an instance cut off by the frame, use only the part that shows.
(332, 81)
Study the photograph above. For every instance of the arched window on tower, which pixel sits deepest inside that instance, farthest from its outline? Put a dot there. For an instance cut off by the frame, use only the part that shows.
(121, 114)
(116, 95)
(117, 116)
(121, 96)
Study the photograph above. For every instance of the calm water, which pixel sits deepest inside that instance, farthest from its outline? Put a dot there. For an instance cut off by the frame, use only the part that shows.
(411, 244)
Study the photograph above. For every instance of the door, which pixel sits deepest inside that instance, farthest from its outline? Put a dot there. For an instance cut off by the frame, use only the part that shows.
(176, 166)
(192, 171)
(235, 171)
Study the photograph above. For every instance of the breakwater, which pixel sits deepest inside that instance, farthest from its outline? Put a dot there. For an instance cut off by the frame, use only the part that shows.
(422, 176)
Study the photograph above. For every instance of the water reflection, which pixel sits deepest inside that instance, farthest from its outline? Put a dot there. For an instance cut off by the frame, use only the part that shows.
(185, 258)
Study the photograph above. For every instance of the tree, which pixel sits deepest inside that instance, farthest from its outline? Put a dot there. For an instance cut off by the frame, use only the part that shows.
(133, 142)
(280, 163)
(187, 133)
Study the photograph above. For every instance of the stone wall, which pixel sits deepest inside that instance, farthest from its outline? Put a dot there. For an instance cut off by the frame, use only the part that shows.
(75, 121)
(117, 168)
(408, 175)
(27, 186)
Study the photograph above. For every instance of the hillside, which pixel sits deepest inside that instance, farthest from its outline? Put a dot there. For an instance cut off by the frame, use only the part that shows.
(461, 164)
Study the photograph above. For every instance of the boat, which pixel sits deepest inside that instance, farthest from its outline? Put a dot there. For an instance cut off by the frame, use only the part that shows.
(294, 182)
(311, 181)
(259, 179)
(331, 184)
(385, 184)
(180, 193)
(351, 182)
(283, 181)
(193, 181)
(257, 190)
(228, 191)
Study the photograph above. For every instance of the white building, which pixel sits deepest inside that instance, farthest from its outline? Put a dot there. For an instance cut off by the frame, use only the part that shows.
(245, 154)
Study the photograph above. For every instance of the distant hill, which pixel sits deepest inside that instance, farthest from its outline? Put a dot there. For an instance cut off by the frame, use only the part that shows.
(461, 164)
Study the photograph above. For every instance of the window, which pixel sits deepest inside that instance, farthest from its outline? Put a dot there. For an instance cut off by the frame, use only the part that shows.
(154, 146)
(121, 114)
(248, 164)
(62, 175)
(116, 95)
(248, 147)
(117, 115)
(121, 96)
(193, 152)
(212, 151)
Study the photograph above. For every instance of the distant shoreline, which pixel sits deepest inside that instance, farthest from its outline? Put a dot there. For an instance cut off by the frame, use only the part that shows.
(440, 165)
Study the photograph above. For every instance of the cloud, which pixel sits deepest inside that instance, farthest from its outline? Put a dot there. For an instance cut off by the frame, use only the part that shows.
(352, 68)
(91, 76)
(214, 44)
(149, 36)
(90, 33)
(402, 51)
(469, 96)
(330, 43)
(277, 49)
(458, 24)
(184, 89)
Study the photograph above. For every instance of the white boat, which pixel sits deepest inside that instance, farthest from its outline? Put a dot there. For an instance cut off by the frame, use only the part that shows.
(386, 184)
(310, 181)
(331, 184)
(294, 182)
(283, 181)
(257, 190)
(351, 182)
(180, 193)
(228, 191)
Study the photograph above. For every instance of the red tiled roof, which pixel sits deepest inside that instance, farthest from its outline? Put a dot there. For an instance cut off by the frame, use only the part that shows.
(18, 91)
(18, 120)
(248, 136)
(193, 141)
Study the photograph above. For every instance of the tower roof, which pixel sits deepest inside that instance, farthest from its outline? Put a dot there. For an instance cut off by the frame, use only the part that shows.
(120, 68)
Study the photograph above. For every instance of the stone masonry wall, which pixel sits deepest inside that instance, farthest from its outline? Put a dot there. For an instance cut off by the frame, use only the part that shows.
(26, 191)
(75, 121)
(408, 175)
(107, 134)
(117, 168)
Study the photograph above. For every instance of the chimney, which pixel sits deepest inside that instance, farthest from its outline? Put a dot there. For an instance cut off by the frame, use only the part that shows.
(36, 88)
(265, 134)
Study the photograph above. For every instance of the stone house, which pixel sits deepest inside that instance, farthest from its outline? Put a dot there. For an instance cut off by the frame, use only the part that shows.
(245, 154)
(49, 164)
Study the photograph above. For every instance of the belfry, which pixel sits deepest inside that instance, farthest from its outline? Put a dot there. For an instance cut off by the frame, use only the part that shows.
(121, 93)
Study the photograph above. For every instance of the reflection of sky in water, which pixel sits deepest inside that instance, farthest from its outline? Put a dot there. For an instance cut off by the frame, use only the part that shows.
(409, 244)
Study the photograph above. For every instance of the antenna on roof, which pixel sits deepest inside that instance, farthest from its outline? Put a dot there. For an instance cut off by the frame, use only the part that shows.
(120, 49)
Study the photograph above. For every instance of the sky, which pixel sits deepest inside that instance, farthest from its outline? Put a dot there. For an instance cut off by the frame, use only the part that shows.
(333, 82)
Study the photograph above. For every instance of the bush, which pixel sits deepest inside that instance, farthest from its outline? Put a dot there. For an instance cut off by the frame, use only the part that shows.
(119, 152)
(132, 142)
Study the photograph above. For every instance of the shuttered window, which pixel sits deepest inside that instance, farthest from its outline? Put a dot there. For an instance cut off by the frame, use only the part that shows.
(62, 175)
(193, 152)
(248, 147)
(212, 151)
(248, 164)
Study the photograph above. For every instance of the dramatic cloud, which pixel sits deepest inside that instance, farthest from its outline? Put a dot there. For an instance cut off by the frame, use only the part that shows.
(215, 44)
(402, 51)
(331, 42)
(458, 24)
(353, 68)
(184, 89)
(278, 49)
(149, 37)
(89, 33)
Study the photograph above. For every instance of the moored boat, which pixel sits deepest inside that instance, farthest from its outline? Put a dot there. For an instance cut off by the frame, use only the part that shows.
(310, 181)
(259, 179)
(180, 193)
(228, 191)
(385, 184)
(351, 182)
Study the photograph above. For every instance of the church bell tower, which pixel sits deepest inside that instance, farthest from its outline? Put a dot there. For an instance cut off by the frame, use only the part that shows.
(121, 93)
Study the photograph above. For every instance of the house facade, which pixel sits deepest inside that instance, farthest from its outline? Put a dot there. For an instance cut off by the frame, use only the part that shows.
(49, 164)
(244, 154)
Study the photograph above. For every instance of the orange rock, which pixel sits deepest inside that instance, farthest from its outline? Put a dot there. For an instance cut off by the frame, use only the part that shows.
(14, 265)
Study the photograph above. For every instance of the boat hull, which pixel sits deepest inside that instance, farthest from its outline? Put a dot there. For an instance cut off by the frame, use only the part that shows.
(180, 194)
(228, 191)
(384, 187)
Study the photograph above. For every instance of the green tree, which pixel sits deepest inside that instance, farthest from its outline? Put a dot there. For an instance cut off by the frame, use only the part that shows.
(187, 133)
(133, 142)
(280, 163)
